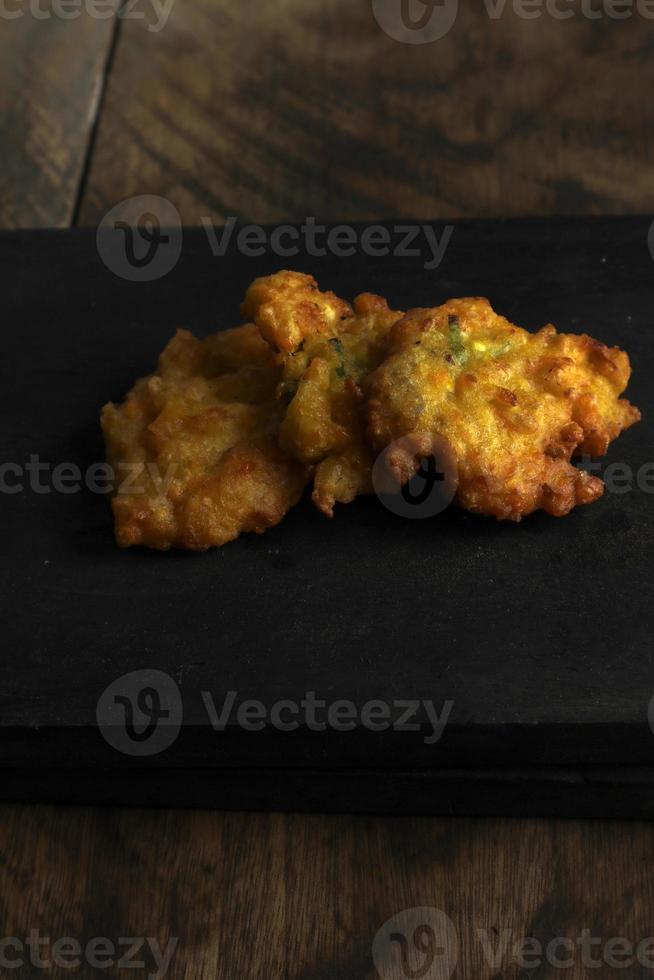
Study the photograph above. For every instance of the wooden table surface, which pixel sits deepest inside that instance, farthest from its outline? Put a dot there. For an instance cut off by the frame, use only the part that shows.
(280, 110)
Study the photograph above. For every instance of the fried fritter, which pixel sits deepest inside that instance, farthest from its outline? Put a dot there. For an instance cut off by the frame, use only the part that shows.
(326, 349)
(194, 446)
(288, 308)
(515, 407)
(228, 431)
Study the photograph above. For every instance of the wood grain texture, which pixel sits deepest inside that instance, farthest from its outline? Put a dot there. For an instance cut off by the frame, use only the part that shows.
(51, 76)
(285, 109)
(302, 897)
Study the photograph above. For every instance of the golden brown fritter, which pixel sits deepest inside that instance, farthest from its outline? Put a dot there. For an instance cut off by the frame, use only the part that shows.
(194, 446)
(288, 308)
(327, 348)
(227, 432)
(513, 406)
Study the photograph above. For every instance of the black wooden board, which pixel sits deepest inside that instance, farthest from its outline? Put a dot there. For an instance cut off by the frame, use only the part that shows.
(540, 634)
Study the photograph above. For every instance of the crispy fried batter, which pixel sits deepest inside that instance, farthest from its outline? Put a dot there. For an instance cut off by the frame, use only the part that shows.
(194, 446)
(328, 349)
(514, 406)
(288, 307)
(227, 432)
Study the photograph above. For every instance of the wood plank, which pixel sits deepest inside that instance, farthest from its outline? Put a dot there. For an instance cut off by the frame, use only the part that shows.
(51, 78)
(285, 109)
(301, 898)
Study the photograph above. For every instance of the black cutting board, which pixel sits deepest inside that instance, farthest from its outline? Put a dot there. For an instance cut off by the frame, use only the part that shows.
(540, 634)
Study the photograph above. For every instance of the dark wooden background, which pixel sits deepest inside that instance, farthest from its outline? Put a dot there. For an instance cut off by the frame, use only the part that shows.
(275, 110)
